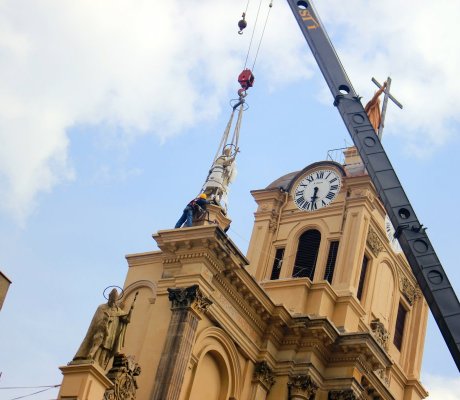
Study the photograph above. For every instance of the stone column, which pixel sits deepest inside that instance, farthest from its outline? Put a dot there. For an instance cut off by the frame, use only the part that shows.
(346, 394)
(301, 387)
(263, 378)
(178, 347)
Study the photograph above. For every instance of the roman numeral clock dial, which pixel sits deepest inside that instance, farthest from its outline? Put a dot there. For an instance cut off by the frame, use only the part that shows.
(317, 190)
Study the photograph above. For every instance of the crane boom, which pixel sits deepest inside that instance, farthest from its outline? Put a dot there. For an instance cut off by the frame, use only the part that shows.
(412, 237)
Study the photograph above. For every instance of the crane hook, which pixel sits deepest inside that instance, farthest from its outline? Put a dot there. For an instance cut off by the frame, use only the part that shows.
(242, 24)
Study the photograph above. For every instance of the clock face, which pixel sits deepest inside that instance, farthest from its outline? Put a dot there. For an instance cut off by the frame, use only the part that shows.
(317, 190)
(390, 234)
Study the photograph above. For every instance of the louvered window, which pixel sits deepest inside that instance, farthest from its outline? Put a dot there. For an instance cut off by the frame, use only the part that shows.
(362, 278)
(277, 264)
(399, 328)
(307, 253)
(330, 265)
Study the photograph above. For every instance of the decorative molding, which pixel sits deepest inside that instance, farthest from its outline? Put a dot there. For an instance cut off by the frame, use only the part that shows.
(229, 286)
(123, 374)
(201, 303)
(273, 224)
(380, 333)
(302, 386)
(410, 292)
(383, 376)
(346, 394)
(184, 298)
(374, 242)
(264, 374)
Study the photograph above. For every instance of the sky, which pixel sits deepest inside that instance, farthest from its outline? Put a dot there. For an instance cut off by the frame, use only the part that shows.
(111, 112)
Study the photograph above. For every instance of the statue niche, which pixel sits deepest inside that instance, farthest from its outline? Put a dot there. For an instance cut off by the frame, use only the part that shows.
(106, 333)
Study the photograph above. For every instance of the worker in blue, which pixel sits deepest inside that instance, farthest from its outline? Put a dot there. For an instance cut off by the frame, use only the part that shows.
(196, 206)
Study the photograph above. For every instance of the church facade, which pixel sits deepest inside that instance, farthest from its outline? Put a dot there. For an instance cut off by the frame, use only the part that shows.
(323, 306)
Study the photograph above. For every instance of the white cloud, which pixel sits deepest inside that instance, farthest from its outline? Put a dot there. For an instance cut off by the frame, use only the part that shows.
(441, 388)
(159, 67)
(143, 66)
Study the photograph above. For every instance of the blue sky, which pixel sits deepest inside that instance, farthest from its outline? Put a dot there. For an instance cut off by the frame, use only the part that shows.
(111, 112)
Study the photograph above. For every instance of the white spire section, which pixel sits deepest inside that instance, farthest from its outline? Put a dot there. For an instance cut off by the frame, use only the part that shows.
(223, 168)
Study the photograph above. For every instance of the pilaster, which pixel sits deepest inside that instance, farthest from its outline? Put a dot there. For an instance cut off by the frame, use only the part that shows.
(185, 305)
(263, 378)
(301, 387)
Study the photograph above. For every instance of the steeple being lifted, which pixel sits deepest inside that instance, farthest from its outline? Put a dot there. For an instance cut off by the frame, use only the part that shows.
(223, 169)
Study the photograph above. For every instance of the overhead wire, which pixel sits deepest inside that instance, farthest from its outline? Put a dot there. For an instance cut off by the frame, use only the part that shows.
(34, 393)
(28, 387)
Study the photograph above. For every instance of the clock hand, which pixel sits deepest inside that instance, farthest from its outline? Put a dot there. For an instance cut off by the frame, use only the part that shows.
(314, 197)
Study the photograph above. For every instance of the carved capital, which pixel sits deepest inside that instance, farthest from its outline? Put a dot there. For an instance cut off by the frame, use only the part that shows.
(264, 374)
(380, 333)
(410, 292)
(183, 298)
(302, 387)
(123, 374)
(374, 242)
(346, 394)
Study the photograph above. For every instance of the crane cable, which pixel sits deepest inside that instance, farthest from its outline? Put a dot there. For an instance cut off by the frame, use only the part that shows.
(253, 32)
(262, 36)
(247, 6)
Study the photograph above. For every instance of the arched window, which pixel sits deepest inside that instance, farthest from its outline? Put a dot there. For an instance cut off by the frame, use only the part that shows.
(307, 254)
(277, 263)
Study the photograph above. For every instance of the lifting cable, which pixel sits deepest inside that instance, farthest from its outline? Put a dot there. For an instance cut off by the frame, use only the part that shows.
(242, 24)
(253, 32)
(262, 36)
(252, 35)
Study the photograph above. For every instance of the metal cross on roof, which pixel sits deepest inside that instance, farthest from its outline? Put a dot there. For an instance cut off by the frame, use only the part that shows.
(385, 101)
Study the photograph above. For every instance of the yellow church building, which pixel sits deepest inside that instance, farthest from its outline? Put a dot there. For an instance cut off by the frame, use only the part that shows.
(324, 305)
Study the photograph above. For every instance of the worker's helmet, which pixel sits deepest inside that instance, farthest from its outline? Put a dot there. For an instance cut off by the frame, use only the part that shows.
(202, 196)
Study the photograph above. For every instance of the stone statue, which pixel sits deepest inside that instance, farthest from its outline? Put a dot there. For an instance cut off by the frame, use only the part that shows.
(105, 336)
(373, 108)
(221, 174)
(123, 375)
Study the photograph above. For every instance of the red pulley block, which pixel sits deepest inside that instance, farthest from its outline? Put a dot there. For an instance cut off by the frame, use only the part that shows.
(246, 79)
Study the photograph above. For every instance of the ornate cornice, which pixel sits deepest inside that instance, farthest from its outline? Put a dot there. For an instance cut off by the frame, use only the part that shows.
(374, 242)
(346, 394)
(240, 300)
(184, 298)
(410, 292)
(264, 374)
(380, 333)
(302, 385)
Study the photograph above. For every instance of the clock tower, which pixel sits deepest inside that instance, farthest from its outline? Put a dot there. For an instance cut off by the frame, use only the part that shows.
(322, 245)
